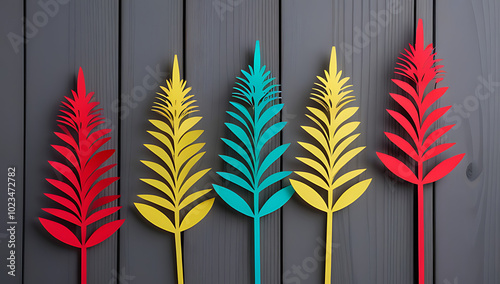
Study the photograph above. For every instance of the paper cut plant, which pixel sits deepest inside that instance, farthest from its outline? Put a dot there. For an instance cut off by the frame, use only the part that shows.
(82, 185)
(419, 66)
(178, 154)
(333, 134)
(254, 103)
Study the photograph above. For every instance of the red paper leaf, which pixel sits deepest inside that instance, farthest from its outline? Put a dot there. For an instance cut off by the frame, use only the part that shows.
(432, 117)
(97, 160)
(67, 138)
(403, 145)
(398, 168)
(405, 124)
(435, 135)
(68, 154)
(443, 168)
(97, 188)
(95, 175)
(104, 232)
(64, 202)
(60, 232)
(432, 97)
(65, 215)
(68, 190)
(103, 201)
(408, 106)
(67, 173)
(419, 65)
(101, 214)
(407, 88)
(84, 172)
(434, 151)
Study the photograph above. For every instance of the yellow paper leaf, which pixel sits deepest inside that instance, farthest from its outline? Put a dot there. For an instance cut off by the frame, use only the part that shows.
(309, 195)
(156, 217)
(158, 201)
(161, 171)
(350, 195)
(342, 146)
(347, 177)
(191, 180)
(333, 131)
(343, 116)
(189, 138)
(315, 151)
(162, 126)
(187, 153)
(316, 134)
(343, 131)
(188, 166)
(192, 197)
(179, 155)
(164, 139)
(315, 165)
(158, 151)
(314, 179)
(319, 114)
(345, 158)
(196, 214)
(160, 186)
(188, 124)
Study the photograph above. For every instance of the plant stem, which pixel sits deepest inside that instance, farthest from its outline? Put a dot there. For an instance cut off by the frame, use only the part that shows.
(256, 238)
(328, 247)
(421, 235)
(84, 256)
(178, 249)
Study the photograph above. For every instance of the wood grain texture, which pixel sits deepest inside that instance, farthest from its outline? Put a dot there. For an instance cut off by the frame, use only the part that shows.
(77, 33)
(467, 200)
(12, 129)
(219, 44)
(152, 32)
(373, 237)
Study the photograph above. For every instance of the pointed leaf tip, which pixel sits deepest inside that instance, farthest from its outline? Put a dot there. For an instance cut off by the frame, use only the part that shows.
(443, 168)
(333, 62)
(419, 40)
(175, 70)
(80, 84)
(256, 59)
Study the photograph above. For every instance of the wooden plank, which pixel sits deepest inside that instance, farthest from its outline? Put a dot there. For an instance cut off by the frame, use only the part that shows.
(152, 33)
(373, 238)
(12, 142)
(69, 35)
(467, 200)
(220, 41)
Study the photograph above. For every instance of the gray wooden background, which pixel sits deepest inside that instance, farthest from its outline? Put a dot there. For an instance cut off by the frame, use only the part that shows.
(126, 49)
